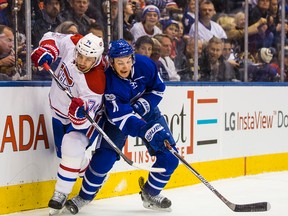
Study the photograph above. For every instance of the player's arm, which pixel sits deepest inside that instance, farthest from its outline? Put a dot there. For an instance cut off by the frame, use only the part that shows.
(81, 106)
(120, 112)
(153, 133)
(90, 92)
(155, 88)
(46, 52)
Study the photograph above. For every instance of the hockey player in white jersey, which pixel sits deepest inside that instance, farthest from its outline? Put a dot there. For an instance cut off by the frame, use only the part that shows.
(81, 71)
(133, 91)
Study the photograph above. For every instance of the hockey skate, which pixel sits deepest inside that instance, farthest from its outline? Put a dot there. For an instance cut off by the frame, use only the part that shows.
(56, 203)
(75, 204)
(157, 202)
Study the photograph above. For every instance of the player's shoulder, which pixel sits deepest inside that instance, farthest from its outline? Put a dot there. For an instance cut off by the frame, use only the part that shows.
(144, 63)
(141, 59)
(75, 38)
(112, 79)
(96, 79)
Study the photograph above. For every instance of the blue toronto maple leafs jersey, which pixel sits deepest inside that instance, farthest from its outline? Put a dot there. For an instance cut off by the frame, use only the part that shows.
(120, 93)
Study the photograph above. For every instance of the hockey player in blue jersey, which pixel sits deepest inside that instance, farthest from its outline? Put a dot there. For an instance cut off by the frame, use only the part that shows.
(133, 92)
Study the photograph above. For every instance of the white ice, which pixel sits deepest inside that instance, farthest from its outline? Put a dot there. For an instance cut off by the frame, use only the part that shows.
(198, 200)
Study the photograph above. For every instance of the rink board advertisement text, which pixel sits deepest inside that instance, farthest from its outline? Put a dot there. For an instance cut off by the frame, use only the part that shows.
(244, 128)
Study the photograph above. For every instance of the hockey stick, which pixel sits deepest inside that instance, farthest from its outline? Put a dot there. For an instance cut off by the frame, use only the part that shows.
(99, 129)
(251, 207)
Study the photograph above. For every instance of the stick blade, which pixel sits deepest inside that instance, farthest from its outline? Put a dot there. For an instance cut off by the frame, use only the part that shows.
(252, 207)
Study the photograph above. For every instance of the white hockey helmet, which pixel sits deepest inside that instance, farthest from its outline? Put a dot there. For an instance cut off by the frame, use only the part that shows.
(91, 46)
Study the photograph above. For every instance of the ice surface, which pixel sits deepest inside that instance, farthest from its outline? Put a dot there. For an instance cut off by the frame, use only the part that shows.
(198, 200)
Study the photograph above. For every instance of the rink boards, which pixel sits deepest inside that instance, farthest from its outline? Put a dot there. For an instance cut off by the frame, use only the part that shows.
(222, 131)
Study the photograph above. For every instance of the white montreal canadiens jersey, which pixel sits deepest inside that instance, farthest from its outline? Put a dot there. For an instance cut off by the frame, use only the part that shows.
(89, 86)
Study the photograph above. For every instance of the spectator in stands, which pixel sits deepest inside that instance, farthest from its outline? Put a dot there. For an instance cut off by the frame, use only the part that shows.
(265, 36)
(261, 9)
(226, 22)
(165, 51)
(181, 30)
(171, 28)
(7, 16)
(127, 13)
(49, 20)
(274, 11)
(16, 9)
(173, 11)
(137, 12)
(4, 46)
(7, 55)
(67, 27)
(275, 22)
(144, 46)
(76, 13)
(6, 41)
(263, 71)
(94, 11)
(129, 37)
(155, 56)
(229, 56)
(97, 30)
(150, 17)
(228, 51)
(189, 16)
(181, 39)
(207, 28)
(236, 32)
(184, 62)
(213, 66)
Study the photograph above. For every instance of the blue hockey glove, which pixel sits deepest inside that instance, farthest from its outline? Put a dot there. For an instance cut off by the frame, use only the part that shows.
(77, 111)
(155, 136)
(141, 106)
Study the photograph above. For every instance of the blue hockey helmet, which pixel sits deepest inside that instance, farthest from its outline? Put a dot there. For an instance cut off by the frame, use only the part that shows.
(119, 48)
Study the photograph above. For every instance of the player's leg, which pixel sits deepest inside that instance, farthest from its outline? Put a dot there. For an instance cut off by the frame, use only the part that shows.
(73, 150)
(59, 130)
(95, 176)
(150, 191)
(101, 163)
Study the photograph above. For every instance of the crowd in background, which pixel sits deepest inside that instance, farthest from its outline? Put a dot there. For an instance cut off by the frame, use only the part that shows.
(163, 30)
